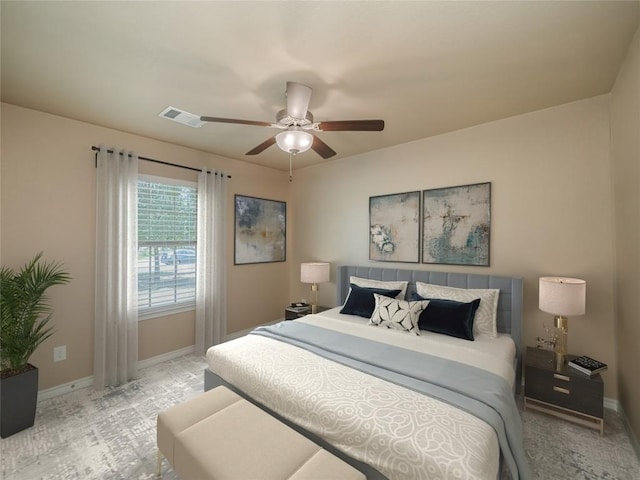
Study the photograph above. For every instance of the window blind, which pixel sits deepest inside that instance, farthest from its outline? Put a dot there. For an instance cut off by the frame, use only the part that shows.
(167, 212)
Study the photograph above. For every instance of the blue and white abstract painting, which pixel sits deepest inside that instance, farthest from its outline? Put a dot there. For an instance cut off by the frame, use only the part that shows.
(260, 230)
(394, 227)
(456, 225)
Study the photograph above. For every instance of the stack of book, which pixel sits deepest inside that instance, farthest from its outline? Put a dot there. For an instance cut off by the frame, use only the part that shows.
(296, 310)
(300, 309)
(587, 365)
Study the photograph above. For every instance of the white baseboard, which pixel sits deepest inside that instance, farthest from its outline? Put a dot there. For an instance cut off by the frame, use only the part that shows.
(65, 388)
(88, 381)
(166, 356)
(611, 404)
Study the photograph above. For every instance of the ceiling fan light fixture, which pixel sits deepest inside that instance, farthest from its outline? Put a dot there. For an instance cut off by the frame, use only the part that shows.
(294, 141)
(295, 122)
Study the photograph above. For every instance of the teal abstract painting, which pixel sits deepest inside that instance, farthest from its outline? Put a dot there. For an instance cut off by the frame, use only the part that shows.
(394, 227)
(456, 223)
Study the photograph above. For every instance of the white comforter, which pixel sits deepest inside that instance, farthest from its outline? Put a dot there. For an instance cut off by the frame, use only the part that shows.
(401, 433)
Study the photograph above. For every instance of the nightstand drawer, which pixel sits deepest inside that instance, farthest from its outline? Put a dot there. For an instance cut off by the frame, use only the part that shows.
(293, 313)
(568, 391)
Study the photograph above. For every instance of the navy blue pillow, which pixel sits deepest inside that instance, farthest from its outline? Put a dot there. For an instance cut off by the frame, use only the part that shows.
(449, 317)
(361, 301)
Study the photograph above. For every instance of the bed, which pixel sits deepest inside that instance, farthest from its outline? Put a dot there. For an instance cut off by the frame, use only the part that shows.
(392, 403)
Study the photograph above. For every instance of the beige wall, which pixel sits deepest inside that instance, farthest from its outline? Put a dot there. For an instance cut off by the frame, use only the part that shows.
(48, 204)
(550, 176)
(625, 134)
(552, 203)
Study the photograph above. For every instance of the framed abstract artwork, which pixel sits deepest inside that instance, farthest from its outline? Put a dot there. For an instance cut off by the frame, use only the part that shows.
(456, 223)
(394, 227)
(260, 230)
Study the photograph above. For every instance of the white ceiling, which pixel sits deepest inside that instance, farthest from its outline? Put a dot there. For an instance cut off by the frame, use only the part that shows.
(425, 67)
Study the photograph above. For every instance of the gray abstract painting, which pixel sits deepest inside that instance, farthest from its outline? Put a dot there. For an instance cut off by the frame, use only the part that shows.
(260, 230)
(456, 225)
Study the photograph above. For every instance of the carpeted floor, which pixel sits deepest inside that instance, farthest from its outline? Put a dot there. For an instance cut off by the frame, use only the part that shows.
(111, 435)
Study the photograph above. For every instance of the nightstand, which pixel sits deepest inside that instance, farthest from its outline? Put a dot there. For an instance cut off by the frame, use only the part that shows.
(562, 391)
(291, 313)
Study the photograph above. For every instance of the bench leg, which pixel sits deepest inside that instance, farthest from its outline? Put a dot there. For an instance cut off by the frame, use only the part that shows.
(159, 464)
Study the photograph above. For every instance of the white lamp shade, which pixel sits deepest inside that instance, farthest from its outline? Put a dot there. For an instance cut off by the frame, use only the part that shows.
(314, 272)
(562, 296)
(297, 141)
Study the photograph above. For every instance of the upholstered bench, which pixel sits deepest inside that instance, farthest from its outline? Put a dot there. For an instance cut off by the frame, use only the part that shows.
(219, 435)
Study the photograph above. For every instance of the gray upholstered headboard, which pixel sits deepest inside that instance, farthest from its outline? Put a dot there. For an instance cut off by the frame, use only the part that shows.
(509, 305)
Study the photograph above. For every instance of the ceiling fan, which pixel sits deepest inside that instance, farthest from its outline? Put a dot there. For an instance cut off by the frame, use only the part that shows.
(296, 123)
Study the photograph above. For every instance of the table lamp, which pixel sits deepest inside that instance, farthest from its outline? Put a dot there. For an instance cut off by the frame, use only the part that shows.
(562, 297)
(314, 273)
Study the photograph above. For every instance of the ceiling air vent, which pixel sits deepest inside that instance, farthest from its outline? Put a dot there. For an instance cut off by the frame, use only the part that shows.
(180, 116)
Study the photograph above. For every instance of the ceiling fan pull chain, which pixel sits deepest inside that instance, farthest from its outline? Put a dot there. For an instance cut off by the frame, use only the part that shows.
(291, 154)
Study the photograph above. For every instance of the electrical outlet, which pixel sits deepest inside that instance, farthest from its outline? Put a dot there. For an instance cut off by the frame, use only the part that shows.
(60, 353)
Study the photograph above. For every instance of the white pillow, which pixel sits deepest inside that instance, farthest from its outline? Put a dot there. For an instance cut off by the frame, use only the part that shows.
(368, 283)
(397, 314)
(485, 320)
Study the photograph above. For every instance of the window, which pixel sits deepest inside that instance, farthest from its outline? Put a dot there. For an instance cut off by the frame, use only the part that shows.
(167, 211)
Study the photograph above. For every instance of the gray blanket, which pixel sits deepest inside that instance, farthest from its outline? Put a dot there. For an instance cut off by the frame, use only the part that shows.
(476, 391)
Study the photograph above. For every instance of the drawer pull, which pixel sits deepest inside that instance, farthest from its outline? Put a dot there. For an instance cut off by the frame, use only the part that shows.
(561, 377)
(561, 390)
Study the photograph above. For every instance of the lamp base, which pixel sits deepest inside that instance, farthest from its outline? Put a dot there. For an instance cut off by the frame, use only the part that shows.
(561, 338)
(314, 298)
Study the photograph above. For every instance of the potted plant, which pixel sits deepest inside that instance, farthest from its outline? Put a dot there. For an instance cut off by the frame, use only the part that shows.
(24, 325)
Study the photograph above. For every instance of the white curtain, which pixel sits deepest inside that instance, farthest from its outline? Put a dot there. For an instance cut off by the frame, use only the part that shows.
(116, 316)
(211, 285)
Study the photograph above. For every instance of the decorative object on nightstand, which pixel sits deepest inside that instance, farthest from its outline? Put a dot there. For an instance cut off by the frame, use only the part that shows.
(562, 297)
(314, 273)
(559, 390)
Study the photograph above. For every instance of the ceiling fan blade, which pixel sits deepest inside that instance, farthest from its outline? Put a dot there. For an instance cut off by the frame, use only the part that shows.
(321, 148)
(352, 125)
(262, 147)
(234, 120)
(298, 97)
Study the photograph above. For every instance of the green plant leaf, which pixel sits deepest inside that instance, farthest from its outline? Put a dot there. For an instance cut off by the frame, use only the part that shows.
(24, 309)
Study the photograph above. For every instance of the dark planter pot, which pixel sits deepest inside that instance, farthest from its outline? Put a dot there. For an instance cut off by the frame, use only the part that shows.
(18, 398)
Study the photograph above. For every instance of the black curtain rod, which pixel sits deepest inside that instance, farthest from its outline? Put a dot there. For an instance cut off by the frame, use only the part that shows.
(153, 160)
